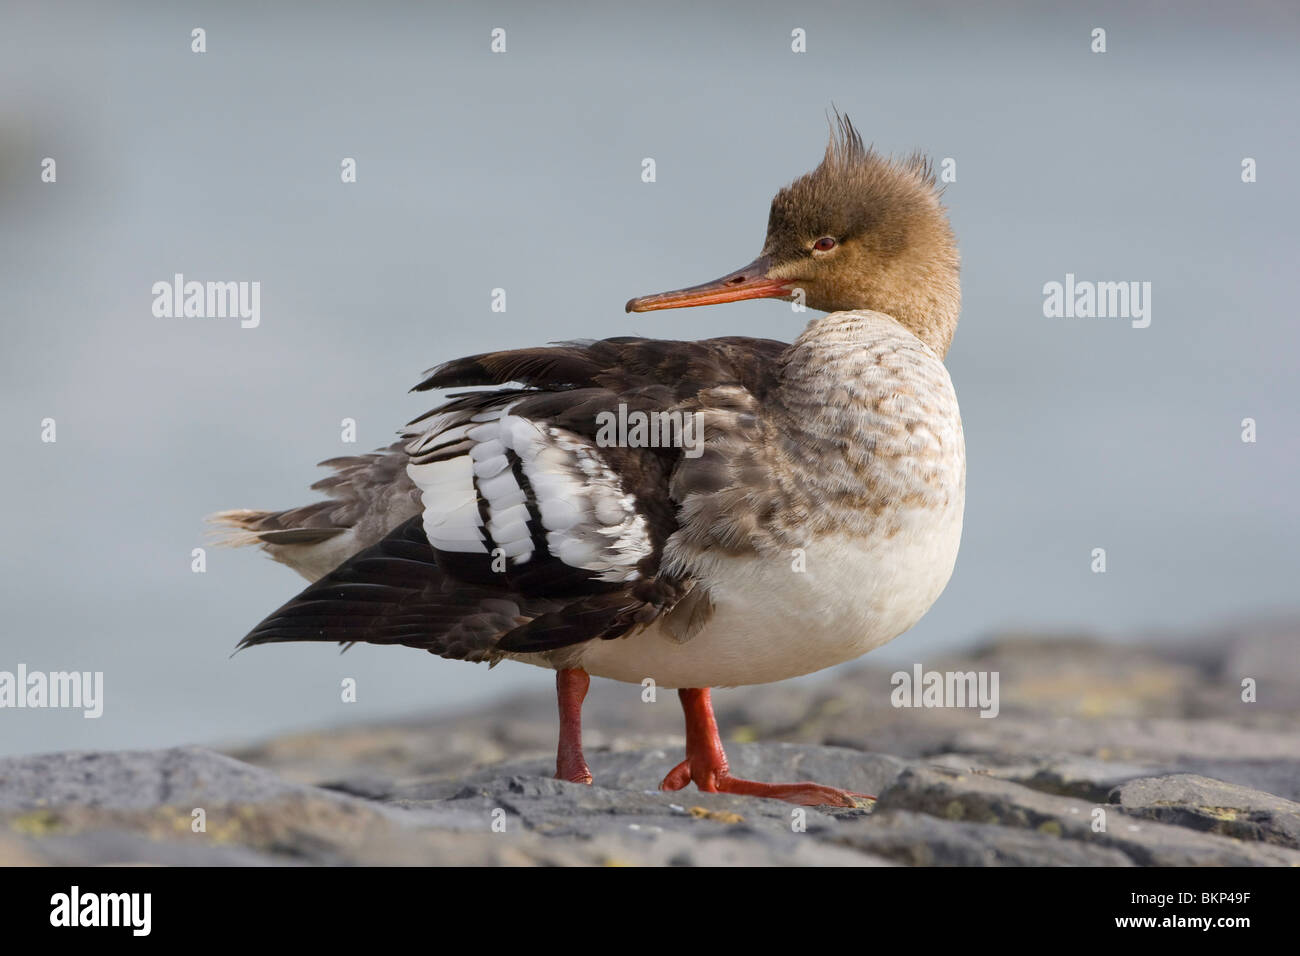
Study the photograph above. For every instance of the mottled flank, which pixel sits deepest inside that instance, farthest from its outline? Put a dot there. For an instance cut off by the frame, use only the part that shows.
(863, 430)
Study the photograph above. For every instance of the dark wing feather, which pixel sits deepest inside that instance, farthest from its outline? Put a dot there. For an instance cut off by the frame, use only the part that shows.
(395, 593)
(405, 590)
(674, 370)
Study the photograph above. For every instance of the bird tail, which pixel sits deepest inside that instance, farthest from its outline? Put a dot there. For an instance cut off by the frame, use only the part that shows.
(242, 526)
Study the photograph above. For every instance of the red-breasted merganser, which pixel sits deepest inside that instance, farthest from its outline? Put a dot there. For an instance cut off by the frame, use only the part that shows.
(818, 516)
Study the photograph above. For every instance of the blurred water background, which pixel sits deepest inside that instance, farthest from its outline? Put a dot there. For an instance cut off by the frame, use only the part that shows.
(522, 170)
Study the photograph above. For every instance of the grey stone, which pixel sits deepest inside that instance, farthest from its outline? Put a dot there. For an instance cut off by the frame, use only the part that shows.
(1069, 775)
(1155, 735)
(1000, 804)
(917, 839)
(1280, 777)
(1201, 803)
(111, 847)
(132, 780)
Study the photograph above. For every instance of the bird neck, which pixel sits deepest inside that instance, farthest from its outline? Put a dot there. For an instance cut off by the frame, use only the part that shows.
(923, 295)
(930, 312)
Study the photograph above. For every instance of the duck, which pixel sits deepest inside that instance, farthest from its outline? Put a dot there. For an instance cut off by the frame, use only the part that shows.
(814, 515)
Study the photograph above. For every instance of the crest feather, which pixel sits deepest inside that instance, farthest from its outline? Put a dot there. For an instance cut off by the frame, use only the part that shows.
(845, 151)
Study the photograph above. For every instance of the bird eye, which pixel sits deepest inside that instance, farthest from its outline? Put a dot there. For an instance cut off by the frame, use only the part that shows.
(825, 244)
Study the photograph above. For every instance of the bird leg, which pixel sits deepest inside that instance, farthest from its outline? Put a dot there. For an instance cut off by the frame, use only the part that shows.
(571, 689)
(706, 764)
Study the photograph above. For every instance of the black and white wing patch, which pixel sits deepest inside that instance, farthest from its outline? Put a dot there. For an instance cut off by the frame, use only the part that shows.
(525, 503)
(530, 537)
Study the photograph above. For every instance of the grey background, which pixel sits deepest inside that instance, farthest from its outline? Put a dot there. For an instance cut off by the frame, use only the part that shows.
(522, 170)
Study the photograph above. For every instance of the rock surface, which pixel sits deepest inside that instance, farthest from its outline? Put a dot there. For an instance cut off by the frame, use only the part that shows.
(1100, 755)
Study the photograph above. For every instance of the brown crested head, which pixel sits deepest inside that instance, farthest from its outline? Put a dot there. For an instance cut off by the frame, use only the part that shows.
(861, 231)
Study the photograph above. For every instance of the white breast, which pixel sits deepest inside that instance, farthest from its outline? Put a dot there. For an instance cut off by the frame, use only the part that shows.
(772, 621)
